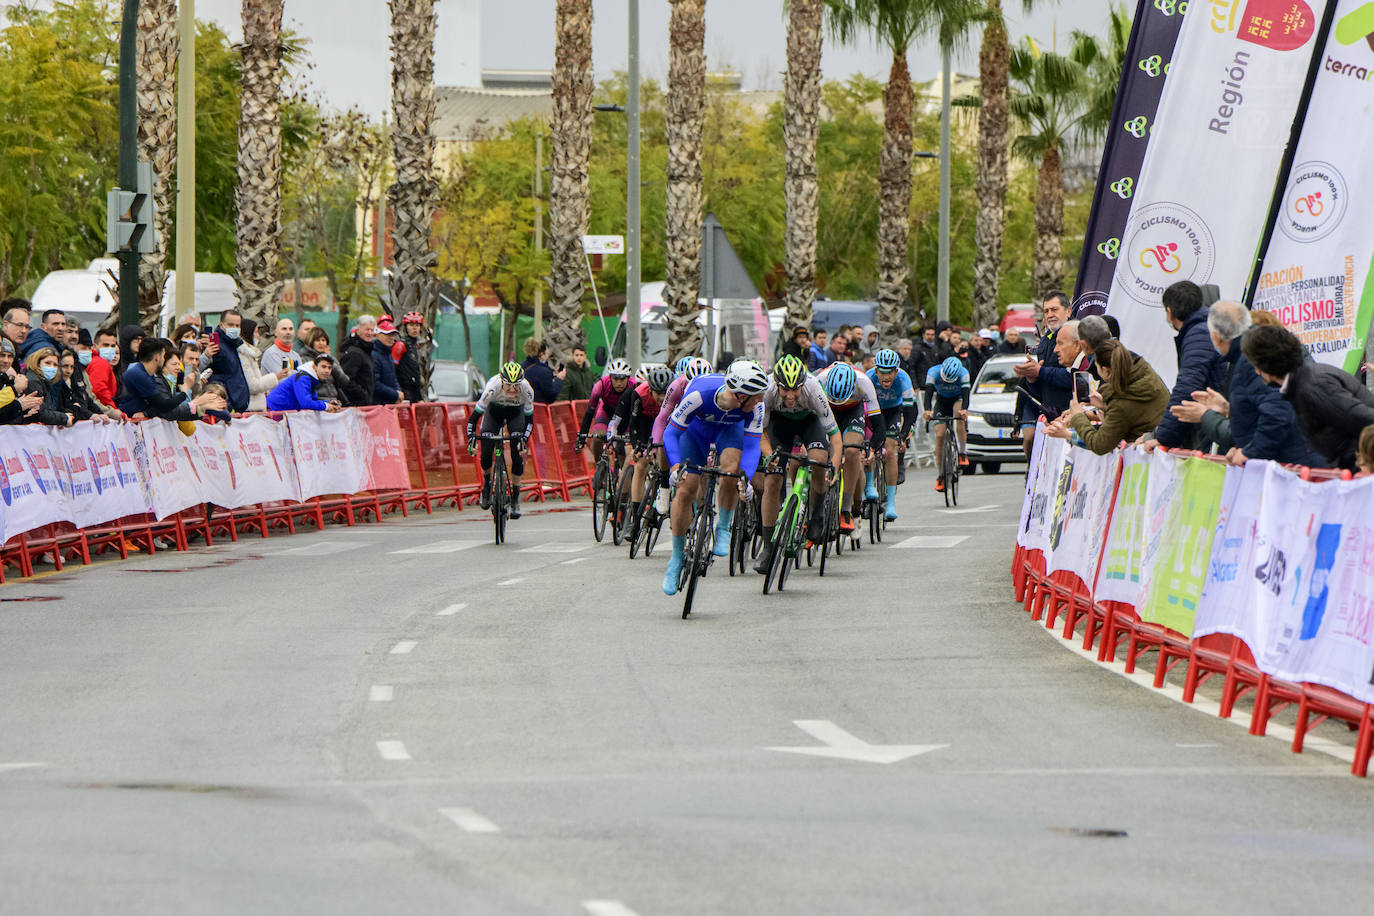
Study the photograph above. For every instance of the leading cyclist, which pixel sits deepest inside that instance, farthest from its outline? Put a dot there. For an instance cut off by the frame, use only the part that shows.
(947, 393)
(897, 398)
(797, 412)
(508, 400)
(855, 402)
(724, 410)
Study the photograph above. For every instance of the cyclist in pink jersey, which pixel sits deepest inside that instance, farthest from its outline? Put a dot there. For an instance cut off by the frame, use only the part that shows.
(638, 410)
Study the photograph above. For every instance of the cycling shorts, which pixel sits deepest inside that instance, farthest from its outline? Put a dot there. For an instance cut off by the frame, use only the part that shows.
(945, 407)
(851, 419)
(786, 432)
(892, 419)
(695, 442)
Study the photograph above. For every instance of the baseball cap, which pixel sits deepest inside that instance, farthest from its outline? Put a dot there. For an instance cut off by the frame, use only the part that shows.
(386, 327)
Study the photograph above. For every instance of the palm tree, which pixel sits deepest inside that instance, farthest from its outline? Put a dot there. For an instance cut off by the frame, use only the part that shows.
(569, 192)
(898, 23)
(801, 126)
(157, 140)
(258, 195)
(1056, 102)
(413, 196)
(686, 112)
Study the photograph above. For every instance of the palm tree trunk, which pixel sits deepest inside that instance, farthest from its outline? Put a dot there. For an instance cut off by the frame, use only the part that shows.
(412, 287)
(894, 199)
(801, 188)
(569, 193)
(686, 112)
(157, 141)
(1048, 273)
(258, 195)
(993, 127)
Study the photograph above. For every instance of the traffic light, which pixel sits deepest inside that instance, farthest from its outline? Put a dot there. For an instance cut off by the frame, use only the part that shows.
(129, 219)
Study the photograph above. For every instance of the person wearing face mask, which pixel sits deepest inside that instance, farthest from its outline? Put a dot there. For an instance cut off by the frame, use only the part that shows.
(16, 402)
(101, 371)
(81, 378)
(43, 371)
(150, 393)
(68, 395)
(222, 358)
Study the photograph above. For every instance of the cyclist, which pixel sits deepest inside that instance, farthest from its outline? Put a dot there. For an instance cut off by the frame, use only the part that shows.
(638, 410)
(797, 413)
(947, 393)
(726, 410)
(508, 400)
(688, 368)
(897, 398)
(602, 402)
(855, 403)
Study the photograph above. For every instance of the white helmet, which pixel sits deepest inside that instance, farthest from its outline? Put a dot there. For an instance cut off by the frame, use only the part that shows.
(619, 368)
(696, 366)
(746, 377)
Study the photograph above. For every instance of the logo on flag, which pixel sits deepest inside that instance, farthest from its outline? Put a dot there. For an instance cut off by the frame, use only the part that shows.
(1167, 242)
(1315, 202)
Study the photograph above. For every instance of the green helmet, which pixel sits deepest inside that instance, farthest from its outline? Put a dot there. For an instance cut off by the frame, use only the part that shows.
(512, 373)
(789, 372)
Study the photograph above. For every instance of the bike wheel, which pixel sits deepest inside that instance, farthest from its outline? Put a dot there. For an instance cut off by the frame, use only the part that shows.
(636, 533)
(738, 539)
(780, 546)
(871, 510)
(613, 510)
(599, 501)
(953, 487)
(698, 558)
(498, 500)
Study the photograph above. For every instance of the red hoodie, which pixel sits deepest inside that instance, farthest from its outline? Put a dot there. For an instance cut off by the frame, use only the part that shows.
(102, 378)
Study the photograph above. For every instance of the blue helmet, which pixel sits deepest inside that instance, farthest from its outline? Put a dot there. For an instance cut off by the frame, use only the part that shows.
(887, 360)
(839, 383)
(681, 366)
(950, 369)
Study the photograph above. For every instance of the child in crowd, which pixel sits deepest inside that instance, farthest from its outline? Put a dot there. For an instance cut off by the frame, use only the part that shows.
(1365, 455)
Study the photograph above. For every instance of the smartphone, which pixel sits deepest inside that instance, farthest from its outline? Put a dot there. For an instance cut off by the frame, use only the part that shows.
(1080, 386)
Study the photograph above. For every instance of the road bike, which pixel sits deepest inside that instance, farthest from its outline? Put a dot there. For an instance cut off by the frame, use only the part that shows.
(790, 533)
(501, 497)
(949, 460)
(647, 523)
(873, 506)
(744, 533)
(697, 554)
(606, 490)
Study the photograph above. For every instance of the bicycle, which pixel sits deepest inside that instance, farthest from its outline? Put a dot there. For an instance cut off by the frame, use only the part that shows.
(500, 485)
(744, 528)
(872, 510)
(790, 533)
(949, 460)
(701, 534)
(647, 524)
(606, 486)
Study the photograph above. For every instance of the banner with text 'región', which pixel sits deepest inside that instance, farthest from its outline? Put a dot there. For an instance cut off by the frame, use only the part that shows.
(1154, 32)
(1316, 270)
(1181, 567)
(1203, 197)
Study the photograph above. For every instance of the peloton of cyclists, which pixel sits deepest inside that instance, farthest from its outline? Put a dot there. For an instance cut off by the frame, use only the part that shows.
(636, 413)
(507, 401)
(947, 391)
(897, 398)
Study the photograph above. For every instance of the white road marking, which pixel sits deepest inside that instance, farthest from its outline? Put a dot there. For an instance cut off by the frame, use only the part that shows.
(932, 542)
(393, 750)
(469, 820)
(325, 548)
(556, 548)
(4, 767)
(574, 560)
(952, 526)
(607, 908)
(512, 581)
(404, 647)
(969, 510)
(450, 610)
(1196, 745)
(381, 693)
(440, 547)
(841, 745)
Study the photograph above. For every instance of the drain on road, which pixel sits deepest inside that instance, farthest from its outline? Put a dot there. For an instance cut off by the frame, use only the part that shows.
(227, 561)
(35, 598)
(1093, 832)
(192, 788)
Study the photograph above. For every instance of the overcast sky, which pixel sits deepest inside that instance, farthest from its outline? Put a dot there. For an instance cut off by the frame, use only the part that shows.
(352, 65)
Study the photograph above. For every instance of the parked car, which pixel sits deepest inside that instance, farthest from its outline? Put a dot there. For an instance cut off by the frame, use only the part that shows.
(1022, 317)
(992, 441)
(455, 381)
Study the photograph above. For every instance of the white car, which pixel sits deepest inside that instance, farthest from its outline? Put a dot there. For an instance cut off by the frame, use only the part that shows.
(992, 439)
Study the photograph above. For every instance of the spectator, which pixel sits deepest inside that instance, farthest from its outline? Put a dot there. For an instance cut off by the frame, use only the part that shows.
(981, 347)
(130, 337)
(930, 352)
(868, 339)
(149, 394)
(187, 330)
(1112, 324)
(356, 358)
(1226, 322)
(1331, 406)
(1093, 332)
(333, 386)
(279, 355)
(17, 314)
(843, 332)
(188, 354)
(85, 362)
(799, 345)
(52, 335)
(304, 331)
(221, 357)
(1133, 399)
(1012, 342)
(418, 344)
(908, 363)
(578, 377)
(839, 346)
(385, 388)
(856, 339)
(17, 403)
(300, 391)
(1366, 460)
(250, 357)
(43, 370)
(67, 394)
(817, 359)
(101, 371)
(1046, 397)
(73, 332)
(1199, 364)
(545, 382)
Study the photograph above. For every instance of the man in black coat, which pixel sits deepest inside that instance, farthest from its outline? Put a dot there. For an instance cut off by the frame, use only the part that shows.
(1047, 394)
(1200, 366)
(356, 358)
(546, 383)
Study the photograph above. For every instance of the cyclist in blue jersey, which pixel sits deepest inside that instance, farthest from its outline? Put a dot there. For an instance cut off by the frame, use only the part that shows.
(947, 393)
(897, 398)
(725, 411)
(854, 402)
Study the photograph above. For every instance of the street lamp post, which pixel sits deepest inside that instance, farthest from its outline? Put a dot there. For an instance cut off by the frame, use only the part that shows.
(942, 271)
(186, 161)
(632, 247)
(128, 153)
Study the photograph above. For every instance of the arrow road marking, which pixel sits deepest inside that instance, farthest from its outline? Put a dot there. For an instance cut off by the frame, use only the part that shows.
(841, 745)
(607, 908)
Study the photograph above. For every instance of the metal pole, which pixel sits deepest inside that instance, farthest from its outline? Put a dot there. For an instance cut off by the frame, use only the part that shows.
(632, 279)
(186, 161)
(942, 275)
(538, 228)
(128, 152)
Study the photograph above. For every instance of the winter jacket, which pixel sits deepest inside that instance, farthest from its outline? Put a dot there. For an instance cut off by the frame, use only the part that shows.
(385, 388)
(1199, 367)
(298, 391)
(1332, 409)
(577, 383)
(49, 412)
(355, 356)
(227, 368)
(1261, 423)
(408, 370)
(273, 358)
(332, 388)
(1133, 407)
(541, 379)
(101, 376)
(151, 396)
(1053, 387)
(37, 340)
(259, 382)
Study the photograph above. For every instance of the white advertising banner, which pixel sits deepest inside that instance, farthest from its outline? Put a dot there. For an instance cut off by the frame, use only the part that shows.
(1203, 197)
(104, 480)
(1037, 458)
(1079, 516)
(31, 485)
(1035, 527)
(328, 452)
(174, 481)
(1316, 270)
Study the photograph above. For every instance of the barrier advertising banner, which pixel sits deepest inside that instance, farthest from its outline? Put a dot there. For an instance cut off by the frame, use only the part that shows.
(1154, 32)
(1181, 565)
(1316, 269)
(1119, 579)
(1052, 475)
(328, 451)
(1079, 515)
(1203, 197)
(384, 463)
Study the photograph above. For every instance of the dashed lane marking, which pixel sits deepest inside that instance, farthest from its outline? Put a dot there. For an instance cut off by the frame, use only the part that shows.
(607, 908)
(325, 548)
(967, 510)
(574, 560)
(439, 547)
(932, 542)
(6, 767)
(469, 820)
(512, 581)
(556, 548)
(450, 610)
(381, 693)
(393, 750)
(404, 647)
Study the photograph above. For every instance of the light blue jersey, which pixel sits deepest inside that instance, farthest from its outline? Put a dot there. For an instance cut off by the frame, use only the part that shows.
(898, 394)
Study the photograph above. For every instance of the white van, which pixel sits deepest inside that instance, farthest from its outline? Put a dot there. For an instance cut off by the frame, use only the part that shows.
(87, 296)
(737, 327)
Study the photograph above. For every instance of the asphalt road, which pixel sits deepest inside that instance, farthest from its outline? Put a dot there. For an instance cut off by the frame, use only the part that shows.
(404, 718)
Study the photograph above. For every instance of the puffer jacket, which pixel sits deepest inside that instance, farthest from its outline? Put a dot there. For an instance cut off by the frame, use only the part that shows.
(1332, 409)
(1133, 407)
(1200, 367)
